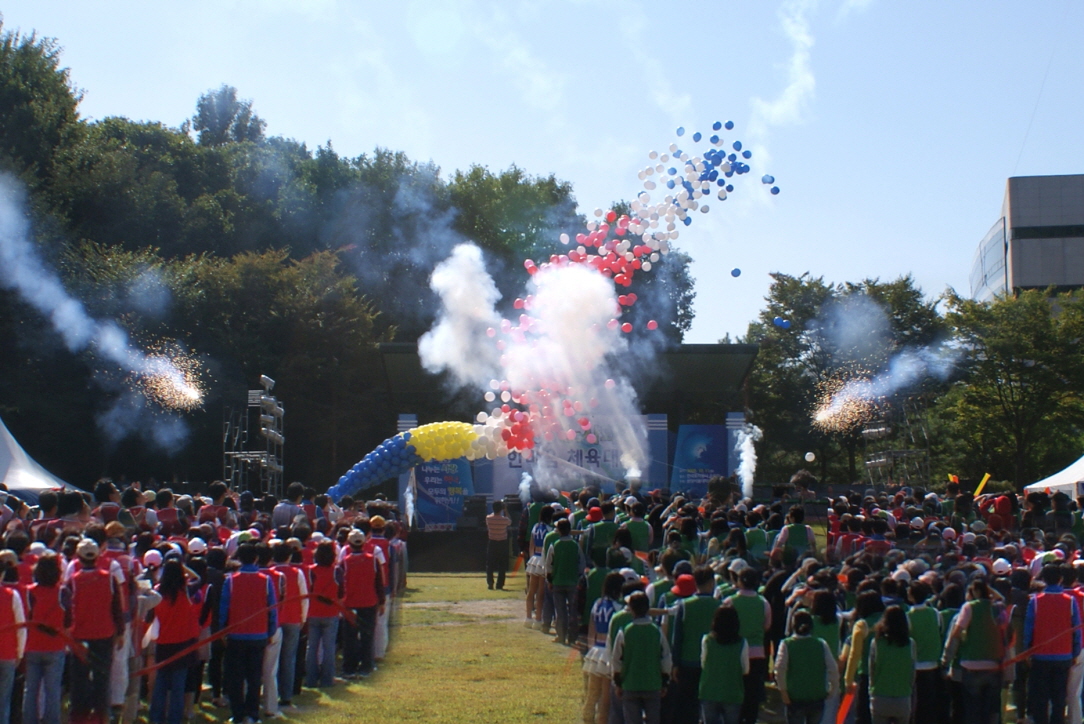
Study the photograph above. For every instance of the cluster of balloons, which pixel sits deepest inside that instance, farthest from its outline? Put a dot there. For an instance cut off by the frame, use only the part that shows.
(781, 323)
(617, 246)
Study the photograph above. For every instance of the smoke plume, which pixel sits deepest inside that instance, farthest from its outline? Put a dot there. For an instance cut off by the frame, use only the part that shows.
(748, 436)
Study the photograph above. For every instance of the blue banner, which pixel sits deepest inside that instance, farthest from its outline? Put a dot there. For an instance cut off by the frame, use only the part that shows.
(700, 454)
(442, 487)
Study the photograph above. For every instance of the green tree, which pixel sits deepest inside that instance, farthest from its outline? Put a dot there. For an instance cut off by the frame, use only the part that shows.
(835, 332)
(1018, 410)
(221, 118)
(38, 106)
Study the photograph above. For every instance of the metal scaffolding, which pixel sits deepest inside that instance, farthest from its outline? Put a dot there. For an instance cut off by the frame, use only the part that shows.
(253, 442)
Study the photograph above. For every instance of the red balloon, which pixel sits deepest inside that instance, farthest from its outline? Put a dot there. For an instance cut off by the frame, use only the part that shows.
(611, 215)
(626, 327)
(652, 325)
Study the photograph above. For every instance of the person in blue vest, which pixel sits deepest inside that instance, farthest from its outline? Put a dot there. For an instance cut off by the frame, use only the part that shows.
(641, 664)
(1052, 633)
(692, 621)
(806, 672)
(245, 592)
(596, 664)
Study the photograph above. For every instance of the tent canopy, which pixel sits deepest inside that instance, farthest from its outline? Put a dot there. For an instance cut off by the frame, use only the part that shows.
(1069, 481)
(20, 473)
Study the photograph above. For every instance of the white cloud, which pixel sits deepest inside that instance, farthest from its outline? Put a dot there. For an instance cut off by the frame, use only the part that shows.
(789, 106)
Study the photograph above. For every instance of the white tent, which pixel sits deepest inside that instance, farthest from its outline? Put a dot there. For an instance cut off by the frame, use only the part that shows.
(20, 473)
(1069, 481)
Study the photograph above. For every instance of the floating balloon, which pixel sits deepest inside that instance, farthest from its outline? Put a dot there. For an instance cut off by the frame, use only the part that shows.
(735, 272)
(652, 325)
(681, 130)
(810, 457)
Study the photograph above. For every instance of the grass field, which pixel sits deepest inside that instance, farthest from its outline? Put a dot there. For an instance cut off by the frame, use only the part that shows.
(459, 653)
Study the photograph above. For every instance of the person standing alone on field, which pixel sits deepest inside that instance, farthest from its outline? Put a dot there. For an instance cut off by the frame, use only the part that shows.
(497, 551)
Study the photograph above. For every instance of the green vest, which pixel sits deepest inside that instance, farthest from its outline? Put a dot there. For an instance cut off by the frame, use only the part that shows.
(640, 530)
(756, 543)
(895, 670)
(641, 668)
(696, 615)
(534, 510)
(828, 633)
(863, 663)
(602, 535)
(721, 680)
(691, 546)
(566, 563)
(983, 639)
(620, 620)
(595, 578)
(947, 614)
(750, 617)
(577, 519)
(807, 679)
(926, 632)
(548, 541)
(797, 543)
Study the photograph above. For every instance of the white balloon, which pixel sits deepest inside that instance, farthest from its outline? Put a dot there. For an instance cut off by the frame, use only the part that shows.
(646, 266)
(673, 147)
(506, 396)
(810, 457)
(649, 185)
(722, 194)
(653, 154)
(598, 212)
(654, 258)
(490, 397)
(564, 238)
(704, 209)
(482, 417)
(649, 170)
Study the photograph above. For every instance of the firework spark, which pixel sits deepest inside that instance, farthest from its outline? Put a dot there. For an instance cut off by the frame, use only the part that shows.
(844, 403)
(171, 378)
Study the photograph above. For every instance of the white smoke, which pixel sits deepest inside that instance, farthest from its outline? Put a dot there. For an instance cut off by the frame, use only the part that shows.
(525, 488)
(467, 295)
(559, 352)
(23, 270)
(748, 436)
(408, 502)
(903, 370)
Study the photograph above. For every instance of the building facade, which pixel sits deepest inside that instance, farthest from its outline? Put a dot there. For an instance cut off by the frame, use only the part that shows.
(1037, 243)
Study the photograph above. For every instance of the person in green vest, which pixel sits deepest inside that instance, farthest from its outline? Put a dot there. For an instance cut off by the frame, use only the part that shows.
(826, 627)
(564, 564)
(950, 706)
(600, 534)
(756, 538)
(622, 618)
(755, 616)
(925, 622)
(978, 637)
(806, 672)
(892, 669)
(868, 609)
(641, 665)
(641, 531)
(724, 662)
(692, 621)
(796, 541)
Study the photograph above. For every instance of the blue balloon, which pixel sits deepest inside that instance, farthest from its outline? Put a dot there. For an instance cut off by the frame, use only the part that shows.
(786, 324)
(775, 190)
(747, 154)
(732, 157)
(670, 184)
(729, 188)
(681, 130)
(767, 179)
(687, 220)
(716, 126)
(714, 139)
(672, 171)
(737, 145)
(697, 137)
(730, 125)
(735, 272)
(778, 321)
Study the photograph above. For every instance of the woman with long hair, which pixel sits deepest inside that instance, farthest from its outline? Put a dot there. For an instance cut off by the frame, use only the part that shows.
(44, 653)
(892, 669)
(177, 622)
(825, 612)
(724, 661)
(868, 609)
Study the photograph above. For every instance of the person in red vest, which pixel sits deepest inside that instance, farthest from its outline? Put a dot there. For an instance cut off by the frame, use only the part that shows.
(246, 608)
(13, 640)
(178, 621)
(380, 547)
(325, 581)
(44, 652)
(1052, 633)
(364, 594)
(96, 619)
(292, 615)
(114, 558)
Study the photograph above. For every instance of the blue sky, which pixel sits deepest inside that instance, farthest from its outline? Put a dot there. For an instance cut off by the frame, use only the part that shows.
(890, 126)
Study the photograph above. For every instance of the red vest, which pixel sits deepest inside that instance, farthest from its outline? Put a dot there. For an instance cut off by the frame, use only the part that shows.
(248, 594)
(290, 611)
(177, 621)
(1053, 632)
(169, 521)
(385, 545)
(359, 578)
(125, 562)
(92, 605)
(322, 580)
(107, 512)
(45, 609)
(8, 647)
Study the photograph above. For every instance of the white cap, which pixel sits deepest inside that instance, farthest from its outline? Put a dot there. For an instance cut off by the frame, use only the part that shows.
(152, 558)
(87, 549)
(197, 546)
(355, 537)
(949, 534)
(968, 537)
(1002, 567)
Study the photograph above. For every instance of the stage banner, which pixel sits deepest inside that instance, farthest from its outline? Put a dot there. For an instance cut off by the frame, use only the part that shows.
(699, 455)
(442, 487)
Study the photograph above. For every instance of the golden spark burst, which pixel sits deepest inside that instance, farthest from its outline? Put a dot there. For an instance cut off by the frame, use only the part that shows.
(844, 403)
(171, 378)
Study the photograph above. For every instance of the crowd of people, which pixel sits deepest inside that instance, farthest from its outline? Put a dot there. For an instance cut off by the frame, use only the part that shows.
(908, 606)
(131, 598)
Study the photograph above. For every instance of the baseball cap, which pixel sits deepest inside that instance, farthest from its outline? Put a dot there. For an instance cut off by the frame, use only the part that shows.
(355, 537)
(152, 559)
(594, 515)
(87, 549)
(685, 586)
(197, 546)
